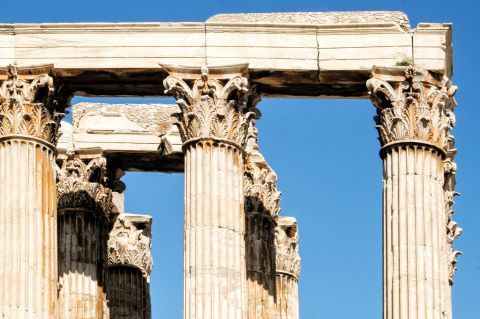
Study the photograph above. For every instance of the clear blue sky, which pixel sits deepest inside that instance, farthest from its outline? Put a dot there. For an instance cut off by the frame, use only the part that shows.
(325, 153)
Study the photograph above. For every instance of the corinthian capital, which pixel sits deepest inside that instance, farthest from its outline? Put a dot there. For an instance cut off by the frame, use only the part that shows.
(81, 185)
(412, 106)
(31, 103)
(130, 242)
(261, 181)
(214, 103)
(286, 246)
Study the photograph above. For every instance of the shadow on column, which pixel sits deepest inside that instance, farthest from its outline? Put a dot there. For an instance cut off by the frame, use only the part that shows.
(82, 262)
(128, 293)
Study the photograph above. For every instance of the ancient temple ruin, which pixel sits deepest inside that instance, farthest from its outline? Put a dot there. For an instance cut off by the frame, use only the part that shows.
(69, 249)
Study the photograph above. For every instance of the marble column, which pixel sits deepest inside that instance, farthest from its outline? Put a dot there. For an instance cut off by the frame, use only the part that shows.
(262, 207)
(84, 206)
(287, 264)
(215, 118)
(30, 112)
(414, 119)
(129, 265)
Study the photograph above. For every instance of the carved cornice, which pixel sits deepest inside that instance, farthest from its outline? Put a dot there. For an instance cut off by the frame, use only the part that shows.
(130, 243)
(286, 247)
(412, 107)
(212, 106)
(261, 180)
(81, 185)
(31, 103)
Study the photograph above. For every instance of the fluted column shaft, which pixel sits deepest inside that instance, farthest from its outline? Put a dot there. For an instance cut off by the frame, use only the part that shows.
(28, 228)
(262, 208)
(84, 206)
(414, 119)
(260, 259)
(214, 231)
(287, 264)
(129, 293)
(415, 264)
(217, 112)
(287, 296)
(82, 264)
(29, 118)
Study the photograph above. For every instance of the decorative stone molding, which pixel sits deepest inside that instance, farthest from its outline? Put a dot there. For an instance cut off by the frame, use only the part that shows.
(217, 103)
(261, 181)
(286, 244)
(31, 104)
(130, 243)
(81, 185)
(412, 106)
(318, 18)
(155, 118)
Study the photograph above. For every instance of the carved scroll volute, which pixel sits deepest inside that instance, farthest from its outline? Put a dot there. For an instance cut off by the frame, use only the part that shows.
(130, 243)
(286, 245)
(82, 185)
(215, 105)
(412, 106)
(32, 103)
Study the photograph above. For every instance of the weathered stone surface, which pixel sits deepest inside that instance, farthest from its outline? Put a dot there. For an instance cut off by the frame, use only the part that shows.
(130, 264)
(217, 114)
(84, 207)
(414, 119)
(319, 54)
(318, 18)
(239, 252)
(138, 137)
(261, 208)
(155, 118)
(130, 242)
(28, 229)
(218, 105)
(30, 103)
(29, 117)
(287, 264)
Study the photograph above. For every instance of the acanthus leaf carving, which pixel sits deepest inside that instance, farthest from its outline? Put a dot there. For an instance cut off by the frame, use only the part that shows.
(130, 244)
(82, 185)
(212, 107)
(413, 110)
(32, 104)
(260, 179)
(452, 262)
(286, 247)
(452, 228)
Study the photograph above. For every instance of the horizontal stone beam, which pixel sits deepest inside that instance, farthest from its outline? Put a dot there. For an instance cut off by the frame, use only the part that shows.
(320, 54)
(133, 137)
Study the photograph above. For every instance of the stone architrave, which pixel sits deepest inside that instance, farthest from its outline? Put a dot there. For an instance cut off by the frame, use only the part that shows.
(287, 264)
(216, 115)
(414, 119)
(84, 206)
(31, 107)
(129, 266)
(262, 208)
